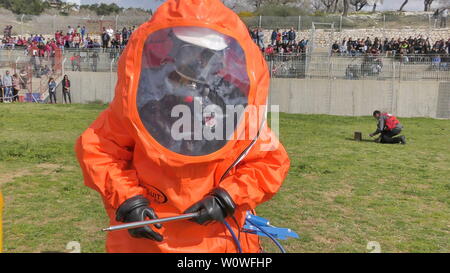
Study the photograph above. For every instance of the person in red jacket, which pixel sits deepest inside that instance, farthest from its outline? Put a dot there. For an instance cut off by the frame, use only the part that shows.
(389, 127)
(161, 148)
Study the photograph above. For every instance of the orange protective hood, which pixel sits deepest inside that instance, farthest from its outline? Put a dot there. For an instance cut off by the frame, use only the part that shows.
(120, 159)
(197, 13)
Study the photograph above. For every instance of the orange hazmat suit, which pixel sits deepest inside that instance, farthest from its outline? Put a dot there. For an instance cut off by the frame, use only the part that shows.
(1, 223)
(128, 151)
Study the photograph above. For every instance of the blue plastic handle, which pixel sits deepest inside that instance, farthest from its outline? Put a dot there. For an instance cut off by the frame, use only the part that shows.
(276, 232)
(258, 220)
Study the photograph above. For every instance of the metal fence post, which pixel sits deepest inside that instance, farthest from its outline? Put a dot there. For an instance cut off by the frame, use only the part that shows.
(21, 24)
(330, 85)
(429, 22)
(393, 85)
(117, 20)
(299, 23)
(260, 21)
(63, 68)
(101, 23)
(340, 24)
(15, 65)
(54, 23)
(111, 85)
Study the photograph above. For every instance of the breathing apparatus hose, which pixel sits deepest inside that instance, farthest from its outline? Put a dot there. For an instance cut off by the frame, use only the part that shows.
(235, 239)
(275, 241)
(238, 244)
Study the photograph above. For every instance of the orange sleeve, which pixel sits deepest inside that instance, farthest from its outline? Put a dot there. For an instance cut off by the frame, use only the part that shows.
(105, 153)
(258, 177)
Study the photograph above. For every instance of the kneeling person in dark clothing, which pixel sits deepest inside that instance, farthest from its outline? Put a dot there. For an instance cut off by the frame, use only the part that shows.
(389, 127)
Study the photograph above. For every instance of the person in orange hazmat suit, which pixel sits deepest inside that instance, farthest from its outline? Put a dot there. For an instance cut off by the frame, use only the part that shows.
(1, 225)
(169, 144)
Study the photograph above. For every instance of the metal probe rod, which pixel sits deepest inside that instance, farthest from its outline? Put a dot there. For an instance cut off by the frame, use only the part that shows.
(151, 222)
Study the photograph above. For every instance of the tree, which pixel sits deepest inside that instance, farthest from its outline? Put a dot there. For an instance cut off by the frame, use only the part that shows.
(230, 4)
(335, 6)
(403, 5)
(103, 9)
(281, 2)
(317, 5)
(374, 4)
(328, 4)
(427, 4)
(33, 7)
(257, 3)
(346, 6)
(273, 9)
(358, 4)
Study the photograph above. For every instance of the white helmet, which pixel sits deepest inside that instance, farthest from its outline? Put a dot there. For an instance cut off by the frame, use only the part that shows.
(202, 37)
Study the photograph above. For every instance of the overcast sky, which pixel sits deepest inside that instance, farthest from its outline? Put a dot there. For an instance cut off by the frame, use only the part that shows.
(412, 5)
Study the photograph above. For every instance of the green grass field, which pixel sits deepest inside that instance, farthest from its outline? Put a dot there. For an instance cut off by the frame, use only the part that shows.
(339, 195)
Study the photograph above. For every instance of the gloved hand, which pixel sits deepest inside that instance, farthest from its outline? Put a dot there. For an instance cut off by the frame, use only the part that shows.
(216, 206)
(137, 209)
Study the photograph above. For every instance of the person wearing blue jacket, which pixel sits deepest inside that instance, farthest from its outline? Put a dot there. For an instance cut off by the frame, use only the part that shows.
(52, 90)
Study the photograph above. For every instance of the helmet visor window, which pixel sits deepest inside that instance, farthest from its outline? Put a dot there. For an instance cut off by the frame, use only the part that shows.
(193, 89)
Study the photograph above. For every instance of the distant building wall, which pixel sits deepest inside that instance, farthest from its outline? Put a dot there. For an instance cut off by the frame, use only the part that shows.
(91, 86)
(357, 97)
(311, 96)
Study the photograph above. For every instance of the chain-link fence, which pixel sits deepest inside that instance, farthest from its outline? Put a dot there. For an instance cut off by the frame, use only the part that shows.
(45, 24)
(49, 24)
(25, 25)
(91, 59)
(31, 74)
(376, 20)
(97, 85)
(21, 74)
(73, 59)
(405, 67)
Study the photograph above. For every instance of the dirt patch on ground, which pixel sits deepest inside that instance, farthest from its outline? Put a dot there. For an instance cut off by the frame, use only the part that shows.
(344, 191)
(43, 169)
(8, 177)
(311, 222)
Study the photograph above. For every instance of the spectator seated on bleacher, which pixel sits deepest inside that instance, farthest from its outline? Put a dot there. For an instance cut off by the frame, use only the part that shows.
(394, 47)
(335, 48)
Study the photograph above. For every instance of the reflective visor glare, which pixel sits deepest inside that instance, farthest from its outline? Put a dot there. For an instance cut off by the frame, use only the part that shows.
(193, 89)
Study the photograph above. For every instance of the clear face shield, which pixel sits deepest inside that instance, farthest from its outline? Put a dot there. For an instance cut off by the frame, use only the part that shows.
(193, 89)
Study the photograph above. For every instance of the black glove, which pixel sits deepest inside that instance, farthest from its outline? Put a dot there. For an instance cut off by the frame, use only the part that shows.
(136, 209)
(217, 206)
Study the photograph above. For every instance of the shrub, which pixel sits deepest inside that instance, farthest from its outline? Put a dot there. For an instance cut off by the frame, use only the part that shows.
(247, 14)
(32, 7)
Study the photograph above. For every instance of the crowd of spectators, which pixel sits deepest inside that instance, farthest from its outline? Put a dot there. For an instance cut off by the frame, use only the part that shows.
(391, 47)
(41, 49)
(116, 39)
(73, 37)
(282, 42)
(10, 84)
